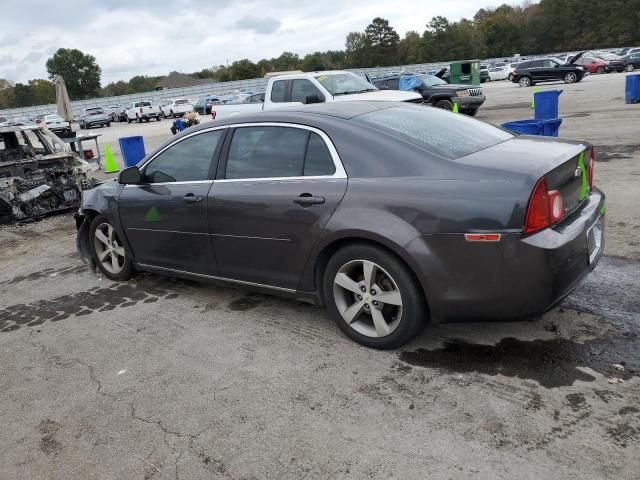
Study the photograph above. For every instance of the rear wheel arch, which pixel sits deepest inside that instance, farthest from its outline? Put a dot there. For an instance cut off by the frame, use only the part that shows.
(323, 257)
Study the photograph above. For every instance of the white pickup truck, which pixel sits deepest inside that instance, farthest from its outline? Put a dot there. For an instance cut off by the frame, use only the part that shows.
(142, 111)
(314, 87)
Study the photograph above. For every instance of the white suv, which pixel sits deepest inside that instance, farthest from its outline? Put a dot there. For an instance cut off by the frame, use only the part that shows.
(177, 108)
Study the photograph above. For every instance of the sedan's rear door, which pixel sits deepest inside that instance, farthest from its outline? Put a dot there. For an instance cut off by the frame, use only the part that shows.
(277, 186)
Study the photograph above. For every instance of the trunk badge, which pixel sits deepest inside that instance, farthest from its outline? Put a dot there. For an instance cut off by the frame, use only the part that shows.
(578, 172)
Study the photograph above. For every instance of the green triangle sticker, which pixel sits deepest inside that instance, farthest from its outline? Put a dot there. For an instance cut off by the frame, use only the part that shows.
(152, 215)
(584, 188)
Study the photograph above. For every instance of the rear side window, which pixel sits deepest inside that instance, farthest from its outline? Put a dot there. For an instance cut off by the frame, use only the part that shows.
(450, 136)
(393, 84)
(188, 160)
(279, 91)
(270, 152)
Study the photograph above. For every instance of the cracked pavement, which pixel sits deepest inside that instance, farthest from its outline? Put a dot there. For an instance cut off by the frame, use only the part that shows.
(159, 378)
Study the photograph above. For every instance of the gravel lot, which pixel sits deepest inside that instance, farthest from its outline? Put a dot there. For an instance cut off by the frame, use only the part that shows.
(162, 379)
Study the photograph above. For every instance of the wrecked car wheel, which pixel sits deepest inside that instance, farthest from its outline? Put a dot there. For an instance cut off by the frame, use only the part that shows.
(108, 250)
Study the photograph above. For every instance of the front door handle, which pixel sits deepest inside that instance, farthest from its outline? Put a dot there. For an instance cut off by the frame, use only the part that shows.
(191, 198)
(306, 200)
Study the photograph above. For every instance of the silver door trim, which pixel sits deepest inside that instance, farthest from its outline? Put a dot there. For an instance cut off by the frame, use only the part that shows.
(246, 237)
(221, 279)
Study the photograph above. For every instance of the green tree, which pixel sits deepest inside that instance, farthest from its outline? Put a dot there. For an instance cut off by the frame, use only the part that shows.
(80, 71)
(313, 62)
(411, 49)
(383, 41)
(244, 69)
(42, 91)
(7, 97)
(357, 50)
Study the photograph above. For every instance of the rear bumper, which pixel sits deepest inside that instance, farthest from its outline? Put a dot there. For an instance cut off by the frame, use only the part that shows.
(515, 278)
(615, 68)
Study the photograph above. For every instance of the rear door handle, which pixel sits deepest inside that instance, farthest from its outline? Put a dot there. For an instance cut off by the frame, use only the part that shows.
(306, 200)
(191, 198)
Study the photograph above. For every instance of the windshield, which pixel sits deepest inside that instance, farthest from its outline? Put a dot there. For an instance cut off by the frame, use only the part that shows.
(557, 60)
(344, 83)
(438, 131)
(431, 80)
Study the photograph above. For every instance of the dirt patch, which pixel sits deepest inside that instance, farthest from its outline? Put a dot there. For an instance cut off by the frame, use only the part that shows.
(605, 153)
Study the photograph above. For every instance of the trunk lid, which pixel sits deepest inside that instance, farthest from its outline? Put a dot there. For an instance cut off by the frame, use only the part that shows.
(563, 163)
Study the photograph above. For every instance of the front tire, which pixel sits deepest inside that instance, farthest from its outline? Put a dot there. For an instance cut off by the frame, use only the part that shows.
(444, 104)
(599, 70)
(629, 68)
(373, 297)
(108, 250)
(524, 82)
(570, 77)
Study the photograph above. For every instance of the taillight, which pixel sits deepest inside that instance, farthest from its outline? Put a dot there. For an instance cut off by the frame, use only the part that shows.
(592, 165)
(141, 110)
(213, 115)
(545, 208)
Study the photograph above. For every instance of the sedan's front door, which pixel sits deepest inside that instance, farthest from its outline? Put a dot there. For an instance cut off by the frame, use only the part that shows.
(276, 189)
(165, 217)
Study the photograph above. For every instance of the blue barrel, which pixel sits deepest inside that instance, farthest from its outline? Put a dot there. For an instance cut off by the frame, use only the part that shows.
(132, 149)
(546, 104)
(632, 89)
(547, 128)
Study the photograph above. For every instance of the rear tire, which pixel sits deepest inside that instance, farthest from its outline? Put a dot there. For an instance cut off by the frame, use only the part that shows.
(444, 104)
(158, 118)
(108, 250)
(524, 82)
(109, 124)
(472, 113)
(570, 77)
(599, 70)
(357, 305)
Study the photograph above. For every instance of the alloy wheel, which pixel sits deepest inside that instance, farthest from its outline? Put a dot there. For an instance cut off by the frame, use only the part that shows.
(367, 298)
(109, 250)
(629, 68)
(524, 82)
(570, 77)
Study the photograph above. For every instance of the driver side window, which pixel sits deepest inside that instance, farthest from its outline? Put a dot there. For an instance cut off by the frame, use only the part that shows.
(187, 160)
(300, 89)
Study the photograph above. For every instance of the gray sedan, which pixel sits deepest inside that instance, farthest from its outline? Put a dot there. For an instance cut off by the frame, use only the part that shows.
(389, 214)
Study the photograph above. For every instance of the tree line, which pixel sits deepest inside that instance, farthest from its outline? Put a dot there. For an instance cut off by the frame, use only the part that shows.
(528, 28)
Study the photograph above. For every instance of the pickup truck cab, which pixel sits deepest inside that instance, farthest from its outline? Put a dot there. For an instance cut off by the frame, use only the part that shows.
(176, 108)
(312, 87)
(436, 91)
(139, 111)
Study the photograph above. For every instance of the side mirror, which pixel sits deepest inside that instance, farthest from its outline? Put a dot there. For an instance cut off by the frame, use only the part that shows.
(313, 98)
(130, 176)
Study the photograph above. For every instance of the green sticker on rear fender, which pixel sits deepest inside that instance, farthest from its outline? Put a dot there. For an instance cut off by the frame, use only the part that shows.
(603, 209)
(584, 188)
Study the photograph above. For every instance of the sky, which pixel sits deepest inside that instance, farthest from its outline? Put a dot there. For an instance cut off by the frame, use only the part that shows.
(154, 37)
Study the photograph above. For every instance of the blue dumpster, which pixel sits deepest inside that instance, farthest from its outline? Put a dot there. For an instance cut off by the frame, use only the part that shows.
(632, 89)
(546, 104)
(547, 128)
(132, 149)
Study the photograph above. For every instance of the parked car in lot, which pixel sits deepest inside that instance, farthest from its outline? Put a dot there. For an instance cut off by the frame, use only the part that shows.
(140, 111)
(484, 73)
(4, 121)
(387, 213)
(436, 91)
(541, 70)
(57, 125)
(176, 108)
(203, 105)
(632, 61)
(614, 63)
(112, 112)
(628, 50)
(498, 73)
(593, 65)
(314, 87)
(91, 117)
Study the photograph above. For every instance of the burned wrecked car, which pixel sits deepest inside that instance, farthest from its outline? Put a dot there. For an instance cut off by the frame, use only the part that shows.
(38, 174)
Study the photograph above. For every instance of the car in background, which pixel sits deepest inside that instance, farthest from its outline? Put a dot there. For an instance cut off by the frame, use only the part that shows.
(4, 121)
(615, 63)
(203, 105)
(57, 125)
(593, 65)
(144, 110)
(176, 108)
(389, 214)
(631, 61)
(435, 91)
(498, 73)
(628, 50)
(92, 117)
(540, 70)
(484, 73)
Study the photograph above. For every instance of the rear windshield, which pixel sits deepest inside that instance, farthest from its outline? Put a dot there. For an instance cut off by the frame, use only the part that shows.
(448, 135)
(181, 102)
(143, 104)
